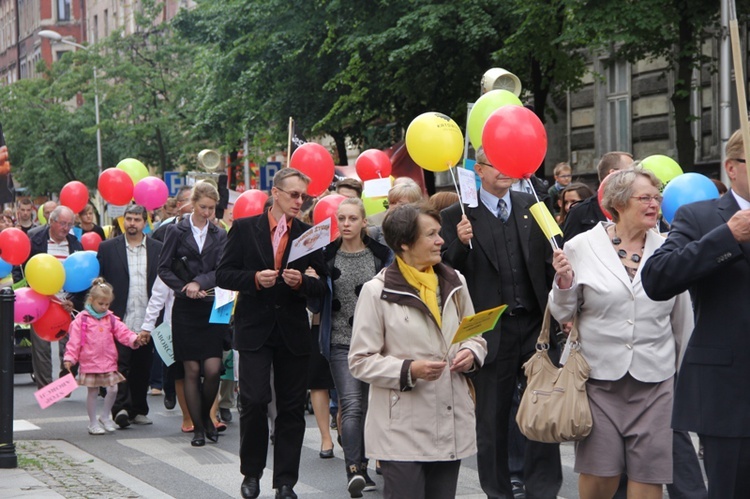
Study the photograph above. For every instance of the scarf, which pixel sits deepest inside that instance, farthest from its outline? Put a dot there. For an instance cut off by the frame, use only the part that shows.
(94, 313)
(427, 284)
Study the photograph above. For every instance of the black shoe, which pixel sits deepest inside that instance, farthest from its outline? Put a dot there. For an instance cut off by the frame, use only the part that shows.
(169, 401)
(285, 492)
(211, 432)
(326, 454)
(122, 419)
(356, 482)
(250, 488)
(199, 439)
(370, 484)
(225, 415)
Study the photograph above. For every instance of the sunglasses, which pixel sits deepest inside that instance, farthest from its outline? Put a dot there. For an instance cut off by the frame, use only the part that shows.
(294, 194)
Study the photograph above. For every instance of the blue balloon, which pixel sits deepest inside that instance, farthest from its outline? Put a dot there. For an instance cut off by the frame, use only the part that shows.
(5, 268)
(81, 268)
(685, 189)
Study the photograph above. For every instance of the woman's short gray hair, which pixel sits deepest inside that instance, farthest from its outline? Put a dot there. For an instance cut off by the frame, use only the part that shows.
(619, 188)
(401, 224)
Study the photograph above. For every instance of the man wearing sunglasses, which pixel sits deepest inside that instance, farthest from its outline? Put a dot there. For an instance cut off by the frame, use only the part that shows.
(55, 239)
(272, 330)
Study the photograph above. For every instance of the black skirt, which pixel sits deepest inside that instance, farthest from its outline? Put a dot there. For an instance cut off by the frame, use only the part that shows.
(319, 371)
(193, 337)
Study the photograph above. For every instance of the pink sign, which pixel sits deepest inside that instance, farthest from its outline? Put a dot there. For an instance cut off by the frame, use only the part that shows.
(55, 391)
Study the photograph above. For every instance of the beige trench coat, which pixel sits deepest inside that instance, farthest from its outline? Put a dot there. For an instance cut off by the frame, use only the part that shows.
(434, 420)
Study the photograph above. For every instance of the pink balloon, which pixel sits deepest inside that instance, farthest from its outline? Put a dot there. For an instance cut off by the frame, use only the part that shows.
(316, 162)
(514, 141)
(249, 204)
(372, 164)
(29, 306)
(151, 193)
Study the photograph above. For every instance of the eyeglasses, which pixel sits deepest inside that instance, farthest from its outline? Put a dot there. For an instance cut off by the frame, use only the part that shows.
(294, 194)
(739, 160)
(647, 199)
(67, 225)
(565, 176)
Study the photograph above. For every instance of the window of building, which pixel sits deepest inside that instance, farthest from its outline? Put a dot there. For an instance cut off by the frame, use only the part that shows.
(618, 106)
(96, 29)
(106, 23)
(63, 10)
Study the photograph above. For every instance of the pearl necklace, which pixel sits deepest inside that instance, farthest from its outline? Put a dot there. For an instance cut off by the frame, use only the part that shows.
(635, 257)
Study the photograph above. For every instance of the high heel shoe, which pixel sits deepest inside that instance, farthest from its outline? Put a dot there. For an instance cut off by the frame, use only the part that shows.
(199, 439)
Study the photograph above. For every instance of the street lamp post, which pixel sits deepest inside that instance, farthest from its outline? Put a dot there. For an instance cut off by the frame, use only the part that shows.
(57, 37)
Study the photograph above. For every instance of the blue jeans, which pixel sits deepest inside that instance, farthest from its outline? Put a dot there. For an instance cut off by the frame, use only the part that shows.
(352, 404)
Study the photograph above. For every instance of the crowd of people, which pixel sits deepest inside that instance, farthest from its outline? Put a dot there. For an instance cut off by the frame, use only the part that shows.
(369, 321)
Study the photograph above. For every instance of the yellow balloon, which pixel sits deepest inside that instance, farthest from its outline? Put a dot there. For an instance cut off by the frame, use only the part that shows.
(134, 168)
(373, 206)
(45, 274)
(434, 142)
(40, 215)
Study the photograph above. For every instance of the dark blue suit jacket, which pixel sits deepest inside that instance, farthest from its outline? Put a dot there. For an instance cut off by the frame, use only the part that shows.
(702, 256)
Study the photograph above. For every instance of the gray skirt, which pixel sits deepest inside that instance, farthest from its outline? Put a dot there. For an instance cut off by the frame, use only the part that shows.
(632, 424)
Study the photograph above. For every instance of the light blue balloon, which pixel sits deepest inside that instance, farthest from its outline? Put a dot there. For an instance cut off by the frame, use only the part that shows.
(685, 189)
(5, 268)
(81, 268)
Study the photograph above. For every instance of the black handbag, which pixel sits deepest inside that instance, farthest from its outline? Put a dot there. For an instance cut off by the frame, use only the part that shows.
(180, 268)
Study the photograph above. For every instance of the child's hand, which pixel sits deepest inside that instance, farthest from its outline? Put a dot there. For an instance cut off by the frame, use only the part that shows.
(67, 365)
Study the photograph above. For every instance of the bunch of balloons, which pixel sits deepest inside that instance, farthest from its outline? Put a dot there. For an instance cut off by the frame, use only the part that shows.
(130, 180)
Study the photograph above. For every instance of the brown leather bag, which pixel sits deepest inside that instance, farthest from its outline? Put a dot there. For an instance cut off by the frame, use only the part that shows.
(554, 406)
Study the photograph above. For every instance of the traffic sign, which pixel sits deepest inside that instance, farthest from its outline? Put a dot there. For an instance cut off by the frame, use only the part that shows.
(266, 174)
(174, 181)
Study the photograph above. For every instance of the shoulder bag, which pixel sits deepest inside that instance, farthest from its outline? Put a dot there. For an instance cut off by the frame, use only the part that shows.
(554, 406)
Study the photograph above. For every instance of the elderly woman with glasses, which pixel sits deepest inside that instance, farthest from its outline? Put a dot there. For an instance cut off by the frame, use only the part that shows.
(631, 342)
(420, 418)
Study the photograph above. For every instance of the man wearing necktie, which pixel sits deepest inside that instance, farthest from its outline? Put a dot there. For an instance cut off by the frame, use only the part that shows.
(509, 262)
(272, 329)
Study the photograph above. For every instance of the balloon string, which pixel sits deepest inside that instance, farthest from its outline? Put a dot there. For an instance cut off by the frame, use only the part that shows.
(460, 201)
(533, 191)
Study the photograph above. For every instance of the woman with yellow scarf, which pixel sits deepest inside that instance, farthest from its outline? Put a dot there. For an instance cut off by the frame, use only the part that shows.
(420, 419)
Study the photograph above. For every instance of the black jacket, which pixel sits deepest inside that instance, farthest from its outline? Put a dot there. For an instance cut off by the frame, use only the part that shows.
(584, 216)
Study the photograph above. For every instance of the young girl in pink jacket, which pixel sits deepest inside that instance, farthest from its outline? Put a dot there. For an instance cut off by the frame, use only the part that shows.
(91, 344)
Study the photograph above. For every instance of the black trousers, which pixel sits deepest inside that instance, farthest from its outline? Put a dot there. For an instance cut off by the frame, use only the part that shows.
(290, 383)
(727, 463)
(420, 480)
(135, 365)
(495, 384)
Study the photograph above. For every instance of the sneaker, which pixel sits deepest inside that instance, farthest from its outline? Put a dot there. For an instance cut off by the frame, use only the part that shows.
(225, 415)
(356, 484)
(141, 419)
(369, 483)
(98, 430)
(122, 419)
(108, 424)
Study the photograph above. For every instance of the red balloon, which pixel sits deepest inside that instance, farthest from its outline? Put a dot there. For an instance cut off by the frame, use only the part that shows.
(326, 208)
(15, 246)
(514, 141)
(53, 325)
(372, 164)
(316, 162)
(74, 195)
(249, 204)
(91, 241)
(115, 186)
(600, 195)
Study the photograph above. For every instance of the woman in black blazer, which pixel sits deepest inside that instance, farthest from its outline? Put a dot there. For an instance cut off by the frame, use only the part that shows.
(191, 253)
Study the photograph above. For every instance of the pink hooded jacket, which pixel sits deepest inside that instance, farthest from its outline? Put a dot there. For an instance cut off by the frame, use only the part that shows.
(91, 342)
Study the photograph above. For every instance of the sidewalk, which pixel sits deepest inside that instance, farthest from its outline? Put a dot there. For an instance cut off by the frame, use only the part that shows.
(57, 469)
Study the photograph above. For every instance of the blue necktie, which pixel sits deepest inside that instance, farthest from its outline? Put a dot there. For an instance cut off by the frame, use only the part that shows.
(502, 210)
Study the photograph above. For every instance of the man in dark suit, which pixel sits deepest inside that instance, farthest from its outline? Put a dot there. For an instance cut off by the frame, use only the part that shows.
(586, 214)
(129, 263)
(272, 329)
(509, 263)
(708, 253)
(55, 239)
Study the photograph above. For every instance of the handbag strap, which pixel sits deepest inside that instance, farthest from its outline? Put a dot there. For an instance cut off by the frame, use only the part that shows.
(542, 343)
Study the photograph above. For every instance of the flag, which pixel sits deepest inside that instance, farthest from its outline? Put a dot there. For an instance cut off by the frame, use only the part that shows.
(545, 220)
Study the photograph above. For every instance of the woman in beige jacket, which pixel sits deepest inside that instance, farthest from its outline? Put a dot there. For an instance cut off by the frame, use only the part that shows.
(420, 419)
